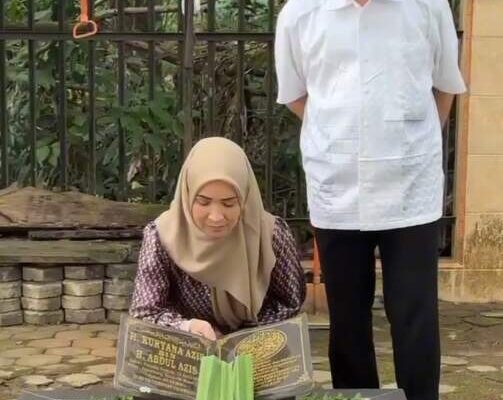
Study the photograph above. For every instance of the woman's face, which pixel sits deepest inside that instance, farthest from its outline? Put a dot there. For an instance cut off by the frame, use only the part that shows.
(216, 209)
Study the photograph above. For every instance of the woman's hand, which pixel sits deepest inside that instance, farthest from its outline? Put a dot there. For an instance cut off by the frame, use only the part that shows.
(202, 328)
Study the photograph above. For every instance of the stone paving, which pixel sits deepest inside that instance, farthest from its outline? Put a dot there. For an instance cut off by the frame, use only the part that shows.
(73, 355)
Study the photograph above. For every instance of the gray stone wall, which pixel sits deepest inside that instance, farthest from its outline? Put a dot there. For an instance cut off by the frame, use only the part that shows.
(53, 294)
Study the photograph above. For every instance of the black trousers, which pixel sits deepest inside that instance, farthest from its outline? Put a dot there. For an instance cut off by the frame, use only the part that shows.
(409, 258)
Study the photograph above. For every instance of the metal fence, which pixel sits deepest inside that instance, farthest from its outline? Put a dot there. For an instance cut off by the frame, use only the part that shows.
(102, 128)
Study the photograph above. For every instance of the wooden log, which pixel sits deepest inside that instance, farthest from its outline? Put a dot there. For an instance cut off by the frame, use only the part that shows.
(66, 252)
(34, 208)
(85, 234)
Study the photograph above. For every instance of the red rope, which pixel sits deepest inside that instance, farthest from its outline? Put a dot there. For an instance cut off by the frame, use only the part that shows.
(84, 11)
(88, 26)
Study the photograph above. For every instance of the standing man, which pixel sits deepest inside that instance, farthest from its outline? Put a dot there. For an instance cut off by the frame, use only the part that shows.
(373, 82)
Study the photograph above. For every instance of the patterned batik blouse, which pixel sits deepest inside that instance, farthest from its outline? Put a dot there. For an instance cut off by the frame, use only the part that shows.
(166, 295)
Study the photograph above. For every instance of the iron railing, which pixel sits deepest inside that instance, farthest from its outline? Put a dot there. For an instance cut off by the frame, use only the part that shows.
(275, 160)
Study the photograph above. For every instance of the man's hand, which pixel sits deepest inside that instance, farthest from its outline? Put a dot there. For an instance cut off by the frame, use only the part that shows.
(444, 104)
(298, 106)
(202, 328)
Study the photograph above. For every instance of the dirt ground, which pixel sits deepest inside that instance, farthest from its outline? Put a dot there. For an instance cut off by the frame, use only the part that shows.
(48, 357)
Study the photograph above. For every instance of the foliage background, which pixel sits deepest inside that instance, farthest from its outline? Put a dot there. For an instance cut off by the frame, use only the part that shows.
(154, 129)
(150, 124)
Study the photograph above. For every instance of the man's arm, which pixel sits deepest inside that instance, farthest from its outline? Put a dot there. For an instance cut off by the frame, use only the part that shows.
(298, 106)
(444, 104)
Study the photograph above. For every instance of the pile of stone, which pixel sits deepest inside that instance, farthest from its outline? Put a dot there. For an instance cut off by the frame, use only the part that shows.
(10, 292)
(42, 295)
(82, 294)
(118, 288)
(50, 294)
(81, 235)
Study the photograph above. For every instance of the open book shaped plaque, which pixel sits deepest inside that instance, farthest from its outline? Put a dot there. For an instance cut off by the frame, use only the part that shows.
(164, 361)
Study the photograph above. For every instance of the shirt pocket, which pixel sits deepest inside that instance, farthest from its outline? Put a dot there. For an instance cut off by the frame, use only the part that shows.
(408, 81)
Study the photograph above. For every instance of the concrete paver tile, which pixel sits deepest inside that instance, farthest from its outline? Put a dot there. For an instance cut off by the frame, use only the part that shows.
(102, 370)
(67, 351)
(100, 327)
(5, 362)
(38, 360)
(74, 335)
(79, 380)
(107, 352)
(49, 343)
(108, 335)
(93, 343)
(21, 352)
(37, 380)
(84, 359)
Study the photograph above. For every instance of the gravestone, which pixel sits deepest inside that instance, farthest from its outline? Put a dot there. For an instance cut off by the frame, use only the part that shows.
(109, 393)
(96, 393)
(102, 393)
(155, 359)
(367, 394)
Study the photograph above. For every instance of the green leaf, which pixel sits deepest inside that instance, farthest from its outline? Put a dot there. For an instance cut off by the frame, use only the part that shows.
(227, 382)
(243, 377)
(111, 152)
(45, 78)
(129, 121)
(42, 153)
(161, 114)
(208, 387)
(55, 152)
(80, 119)
(43, 15)
(155, 142)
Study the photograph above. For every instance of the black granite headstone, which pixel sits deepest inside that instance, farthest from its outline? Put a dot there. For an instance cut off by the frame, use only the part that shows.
(109, 393)
(155, 359)
(97, 393)
(370, 394)
(105, 393)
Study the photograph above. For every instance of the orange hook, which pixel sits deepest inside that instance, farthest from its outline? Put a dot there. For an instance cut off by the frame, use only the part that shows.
(84, 22)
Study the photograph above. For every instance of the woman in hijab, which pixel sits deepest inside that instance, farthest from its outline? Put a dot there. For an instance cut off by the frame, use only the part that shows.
(216, 261)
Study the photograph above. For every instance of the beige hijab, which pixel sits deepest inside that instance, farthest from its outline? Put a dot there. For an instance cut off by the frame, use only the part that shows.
(237, 267)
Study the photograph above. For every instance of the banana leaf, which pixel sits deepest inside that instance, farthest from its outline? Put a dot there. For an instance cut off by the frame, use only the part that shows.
(219, 380)
(208, 384)
(243, 378)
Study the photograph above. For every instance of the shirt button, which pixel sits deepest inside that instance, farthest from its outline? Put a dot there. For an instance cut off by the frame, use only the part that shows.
(365, 60)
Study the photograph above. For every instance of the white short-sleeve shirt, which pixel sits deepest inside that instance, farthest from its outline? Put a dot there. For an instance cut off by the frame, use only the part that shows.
(371, 137)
